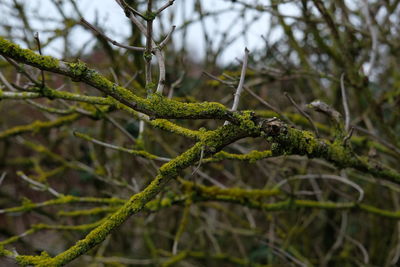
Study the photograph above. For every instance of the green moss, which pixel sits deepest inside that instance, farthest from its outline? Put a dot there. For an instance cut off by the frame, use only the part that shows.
(4, 252)
(231, 193)
(147, 56)
(38, 126)
(78, 68)
(173, 128)
(252, 156)
(44, 260)
(25, 55)
(167, 108)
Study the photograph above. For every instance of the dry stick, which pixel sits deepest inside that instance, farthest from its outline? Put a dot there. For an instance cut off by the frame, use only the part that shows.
(40, 52)
(5, 82)
(345, 104)
(2, 177)
(303, 113)
(38, 185)
(241, 81)
(97, 31)
(239, 89)
(164, 42)
(161, 9)
(265, 103)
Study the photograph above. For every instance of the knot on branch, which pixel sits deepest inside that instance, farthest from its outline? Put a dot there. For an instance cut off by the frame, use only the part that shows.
(273, 127)
(47, 92)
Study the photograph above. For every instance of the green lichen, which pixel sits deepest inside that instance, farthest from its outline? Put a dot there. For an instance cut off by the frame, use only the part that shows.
(252, 156)
(44, 260)
(174, 128)
(14, 51)
(230, 193)
(150, 88)
(77, 69)
(167, 108)
(39, 126)
(147, 56)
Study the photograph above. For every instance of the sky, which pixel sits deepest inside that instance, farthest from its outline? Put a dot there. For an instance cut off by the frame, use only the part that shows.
(116, 26)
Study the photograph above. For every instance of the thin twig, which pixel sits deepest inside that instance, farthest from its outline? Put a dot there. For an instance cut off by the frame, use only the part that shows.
(120, 127)
(141, 153)
(239, 88)
(168, 4)
(303, 113)
(40, 52)
(2, 177)
(345, 104)
(22, 70)
(164, 42)
(128, 9)
(241, 81)
(200, 161)
(176, 84)
(39, 185)
(97, 31)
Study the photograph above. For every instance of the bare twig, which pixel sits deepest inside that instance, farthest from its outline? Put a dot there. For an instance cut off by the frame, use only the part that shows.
(345, 104)
(128, 9)
(165, 6)
(241, 81)
(167, 38)
(36, 36)
(239, 88)
(122, 149)
(97, 31)
(302, 113)
(176, 84)
(120, 127)
(38, 185)
(2, 177)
